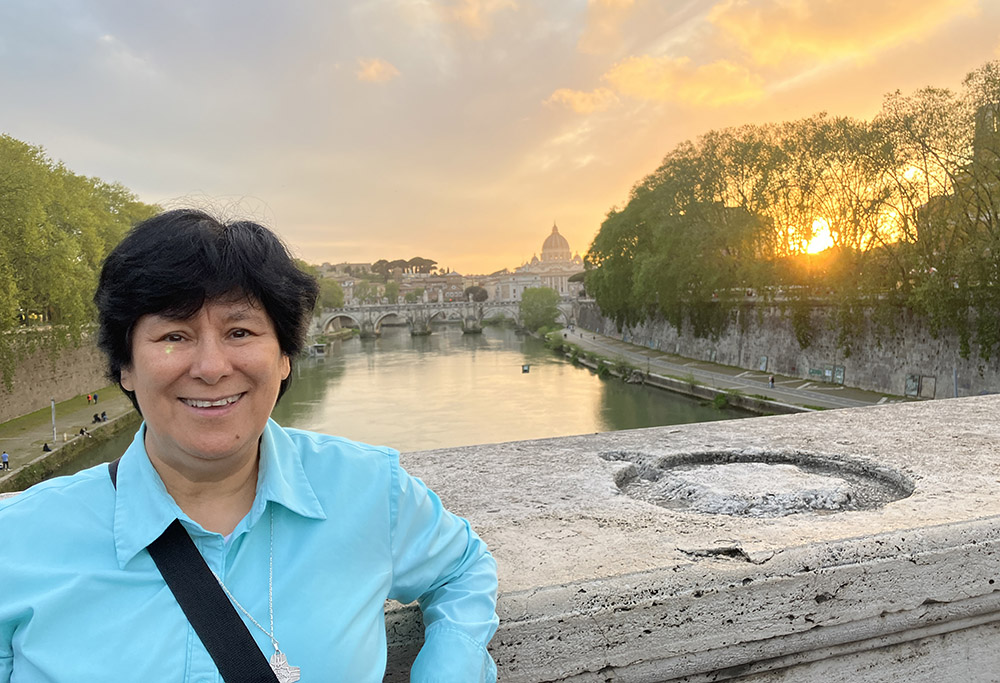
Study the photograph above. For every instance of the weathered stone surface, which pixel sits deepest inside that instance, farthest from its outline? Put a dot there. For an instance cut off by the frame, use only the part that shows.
(40, 378)
(880, 359)
(599, 586)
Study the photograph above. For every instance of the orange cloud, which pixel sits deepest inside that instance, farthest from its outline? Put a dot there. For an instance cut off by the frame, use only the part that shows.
(602, 32)
(376, 71)
(678, 80)
(474, 15)
(583, 102)
(772, 31)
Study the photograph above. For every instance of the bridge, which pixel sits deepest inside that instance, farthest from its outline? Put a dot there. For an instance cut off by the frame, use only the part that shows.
(369, 318)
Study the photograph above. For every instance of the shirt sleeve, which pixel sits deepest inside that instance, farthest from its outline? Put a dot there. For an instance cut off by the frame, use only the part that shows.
(440, 561)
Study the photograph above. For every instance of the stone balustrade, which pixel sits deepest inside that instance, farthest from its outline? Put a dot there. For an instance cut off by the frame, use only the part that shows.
(848, 545)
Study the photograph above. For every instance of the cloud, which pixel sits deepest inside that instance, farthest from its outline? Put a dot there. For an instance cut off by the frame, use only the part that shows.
(776, 31)
(121, 59)
(473, 15)
(669, 79)
(376, 71)
(583, 102)
(602, 31)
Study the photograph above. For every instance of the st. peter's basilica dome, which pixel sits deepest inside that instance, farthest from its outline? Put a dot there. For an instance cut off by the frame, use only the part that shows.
(555, 247)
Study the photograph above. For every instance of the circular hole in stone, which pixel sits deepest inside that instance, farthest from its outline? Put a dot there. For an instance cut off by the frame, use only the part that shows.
(759, 484)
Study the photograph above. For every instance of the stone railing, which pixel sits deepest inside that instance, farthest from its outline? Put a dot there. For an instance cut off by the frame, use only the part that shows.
(849, 545)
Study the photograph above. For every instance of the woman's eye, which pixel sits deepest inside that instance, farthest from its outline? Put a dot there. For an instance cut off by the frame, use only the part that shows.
(172, 337)
(241, 334)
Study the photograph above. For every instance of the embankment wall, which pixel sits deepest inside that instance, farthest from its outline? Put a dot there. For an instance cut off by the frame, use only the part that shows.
(39, 378)
(905, 360)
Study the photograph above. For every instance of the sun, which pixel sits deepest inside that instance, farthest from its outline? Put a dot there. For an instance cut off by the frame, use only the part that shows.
(821, 237)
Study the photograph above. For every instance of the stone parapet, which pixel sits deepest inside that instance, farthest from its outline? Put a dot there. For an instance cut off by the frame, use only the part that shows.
(598, 585)
(906, 359)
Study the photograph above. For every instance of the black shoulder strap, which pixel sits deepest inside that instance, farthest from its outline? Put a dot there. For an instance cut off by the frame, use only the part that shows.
(206, 606)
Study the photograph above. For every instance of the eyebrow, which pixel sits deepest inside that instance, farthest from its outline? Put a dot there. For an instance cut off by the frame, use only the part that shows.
(237, 313)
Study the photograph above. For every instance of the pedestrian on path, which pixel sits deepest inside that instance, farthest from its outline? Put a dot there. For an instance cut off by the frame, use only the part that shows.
(90, 399)
(5, 461)
(770, 381)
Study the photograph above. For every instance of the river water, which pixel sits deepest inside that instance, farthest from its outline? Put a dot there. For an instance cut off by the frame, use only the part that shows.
(452, 389)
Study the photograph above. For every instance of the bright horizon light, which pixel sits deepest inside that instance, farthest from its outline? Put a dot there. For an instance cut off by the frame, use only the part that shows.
(821, 237)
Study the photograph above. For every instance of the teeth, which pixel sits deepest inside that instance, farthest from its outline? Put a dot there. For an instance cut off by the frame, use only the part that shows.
(195, 403)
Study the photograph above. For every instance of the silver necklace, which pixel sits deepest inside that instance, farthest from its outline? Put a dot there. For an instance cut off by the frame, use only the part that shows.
(279, 663)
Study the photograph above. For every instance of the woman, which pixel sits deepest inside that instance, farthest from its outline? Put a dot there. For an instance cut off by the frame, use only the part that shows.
(306, 534)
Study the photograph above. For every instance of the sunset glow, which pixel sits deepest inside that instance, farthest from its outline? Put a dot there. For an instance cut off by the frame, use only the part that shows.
(451, 130)
(821, 237)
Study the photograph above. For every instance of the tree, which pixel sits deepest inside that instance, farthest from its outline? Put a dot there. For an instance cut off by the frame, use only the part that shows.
(421, 265)
(55, 229)
(414, 296)
(366, 292)
(539, 307)
(307, 268)
(331, 294)
(478, 293)
(381, 268)
(391, 292)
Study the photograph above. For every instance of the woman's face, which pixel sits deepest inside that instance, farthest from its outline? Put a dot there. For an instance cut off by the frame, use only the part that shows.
(206, 384)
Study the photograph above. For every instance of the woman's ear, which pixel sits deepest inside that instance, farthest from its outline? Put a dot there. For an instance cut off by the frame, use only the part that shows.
(126, 380)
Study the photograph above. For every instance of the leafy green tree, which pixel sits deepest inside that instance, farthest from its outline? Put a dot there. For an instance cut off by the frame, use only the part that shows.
(367, 292)
(414, 296)
(55, 229)
(307, 268)
(421, 265)
(478, 293)
(391, 292)
(381, 269)
(331, 294)
(910, 201)
(539, 307)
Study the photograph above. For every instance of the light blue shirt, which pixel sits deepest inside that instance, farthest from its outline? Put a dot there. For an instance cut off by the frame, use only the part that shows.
(81, 600)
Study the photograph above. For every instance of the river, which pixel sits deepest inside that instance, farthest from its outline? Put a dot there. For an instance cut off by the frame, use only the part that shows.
(452, 389)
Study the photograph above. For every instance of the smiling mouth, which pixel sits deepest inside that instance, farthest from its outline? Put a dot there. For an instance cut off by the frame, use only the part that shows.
(199, 403)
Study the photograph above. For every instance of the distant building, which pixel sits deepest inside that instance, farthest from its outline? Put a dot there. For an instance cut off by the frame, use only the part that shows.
(345, 269)
(554, 269)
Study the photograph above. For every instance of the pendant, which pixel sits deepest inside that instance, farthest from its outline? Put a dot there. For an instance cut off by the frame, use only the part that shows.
(281, 669)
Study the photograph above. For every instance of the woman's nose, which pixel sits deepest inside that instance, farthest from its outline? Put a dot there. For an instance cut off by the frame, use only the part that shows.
(211, 361)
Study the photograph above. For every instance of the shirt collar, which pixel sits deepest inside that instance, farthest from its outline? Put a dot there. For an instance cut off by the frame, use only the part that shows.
(144, 508)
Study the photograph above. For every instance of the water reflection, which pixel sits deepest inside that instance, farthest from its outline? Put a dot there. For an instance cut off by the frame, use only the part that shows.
(450, 389)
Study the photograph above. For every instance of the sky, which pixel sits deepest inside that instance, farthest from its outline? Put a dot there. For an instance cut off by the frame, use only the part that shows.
(456, 130)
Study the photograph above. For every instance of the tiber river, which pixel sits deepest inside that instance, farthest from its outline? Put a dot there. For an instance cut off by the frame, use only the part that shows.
(452, 389)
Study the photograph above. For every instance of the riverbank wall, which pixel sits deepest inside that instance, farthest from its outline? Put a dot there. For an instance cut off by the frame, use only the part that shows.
(599, 583)
(40, 377)
(42, 467)
(907, 360)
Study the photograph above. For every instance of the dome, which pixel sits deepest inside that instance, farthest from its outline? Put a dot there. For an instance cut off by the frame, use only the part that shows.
(555, 247)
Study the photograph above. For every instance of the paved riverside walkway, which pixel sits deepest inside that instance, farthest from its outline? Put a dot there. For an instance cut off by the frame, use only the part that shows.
(791, 390)
(23, 437)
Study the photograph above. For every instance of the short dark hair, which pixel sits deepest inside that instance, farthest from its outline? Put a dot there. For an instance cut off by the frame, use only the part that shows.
(174, 262)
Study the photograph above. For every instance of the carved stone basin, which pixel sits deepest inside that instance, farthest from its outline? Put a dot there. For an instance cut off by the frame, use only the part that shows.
(757, 483)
